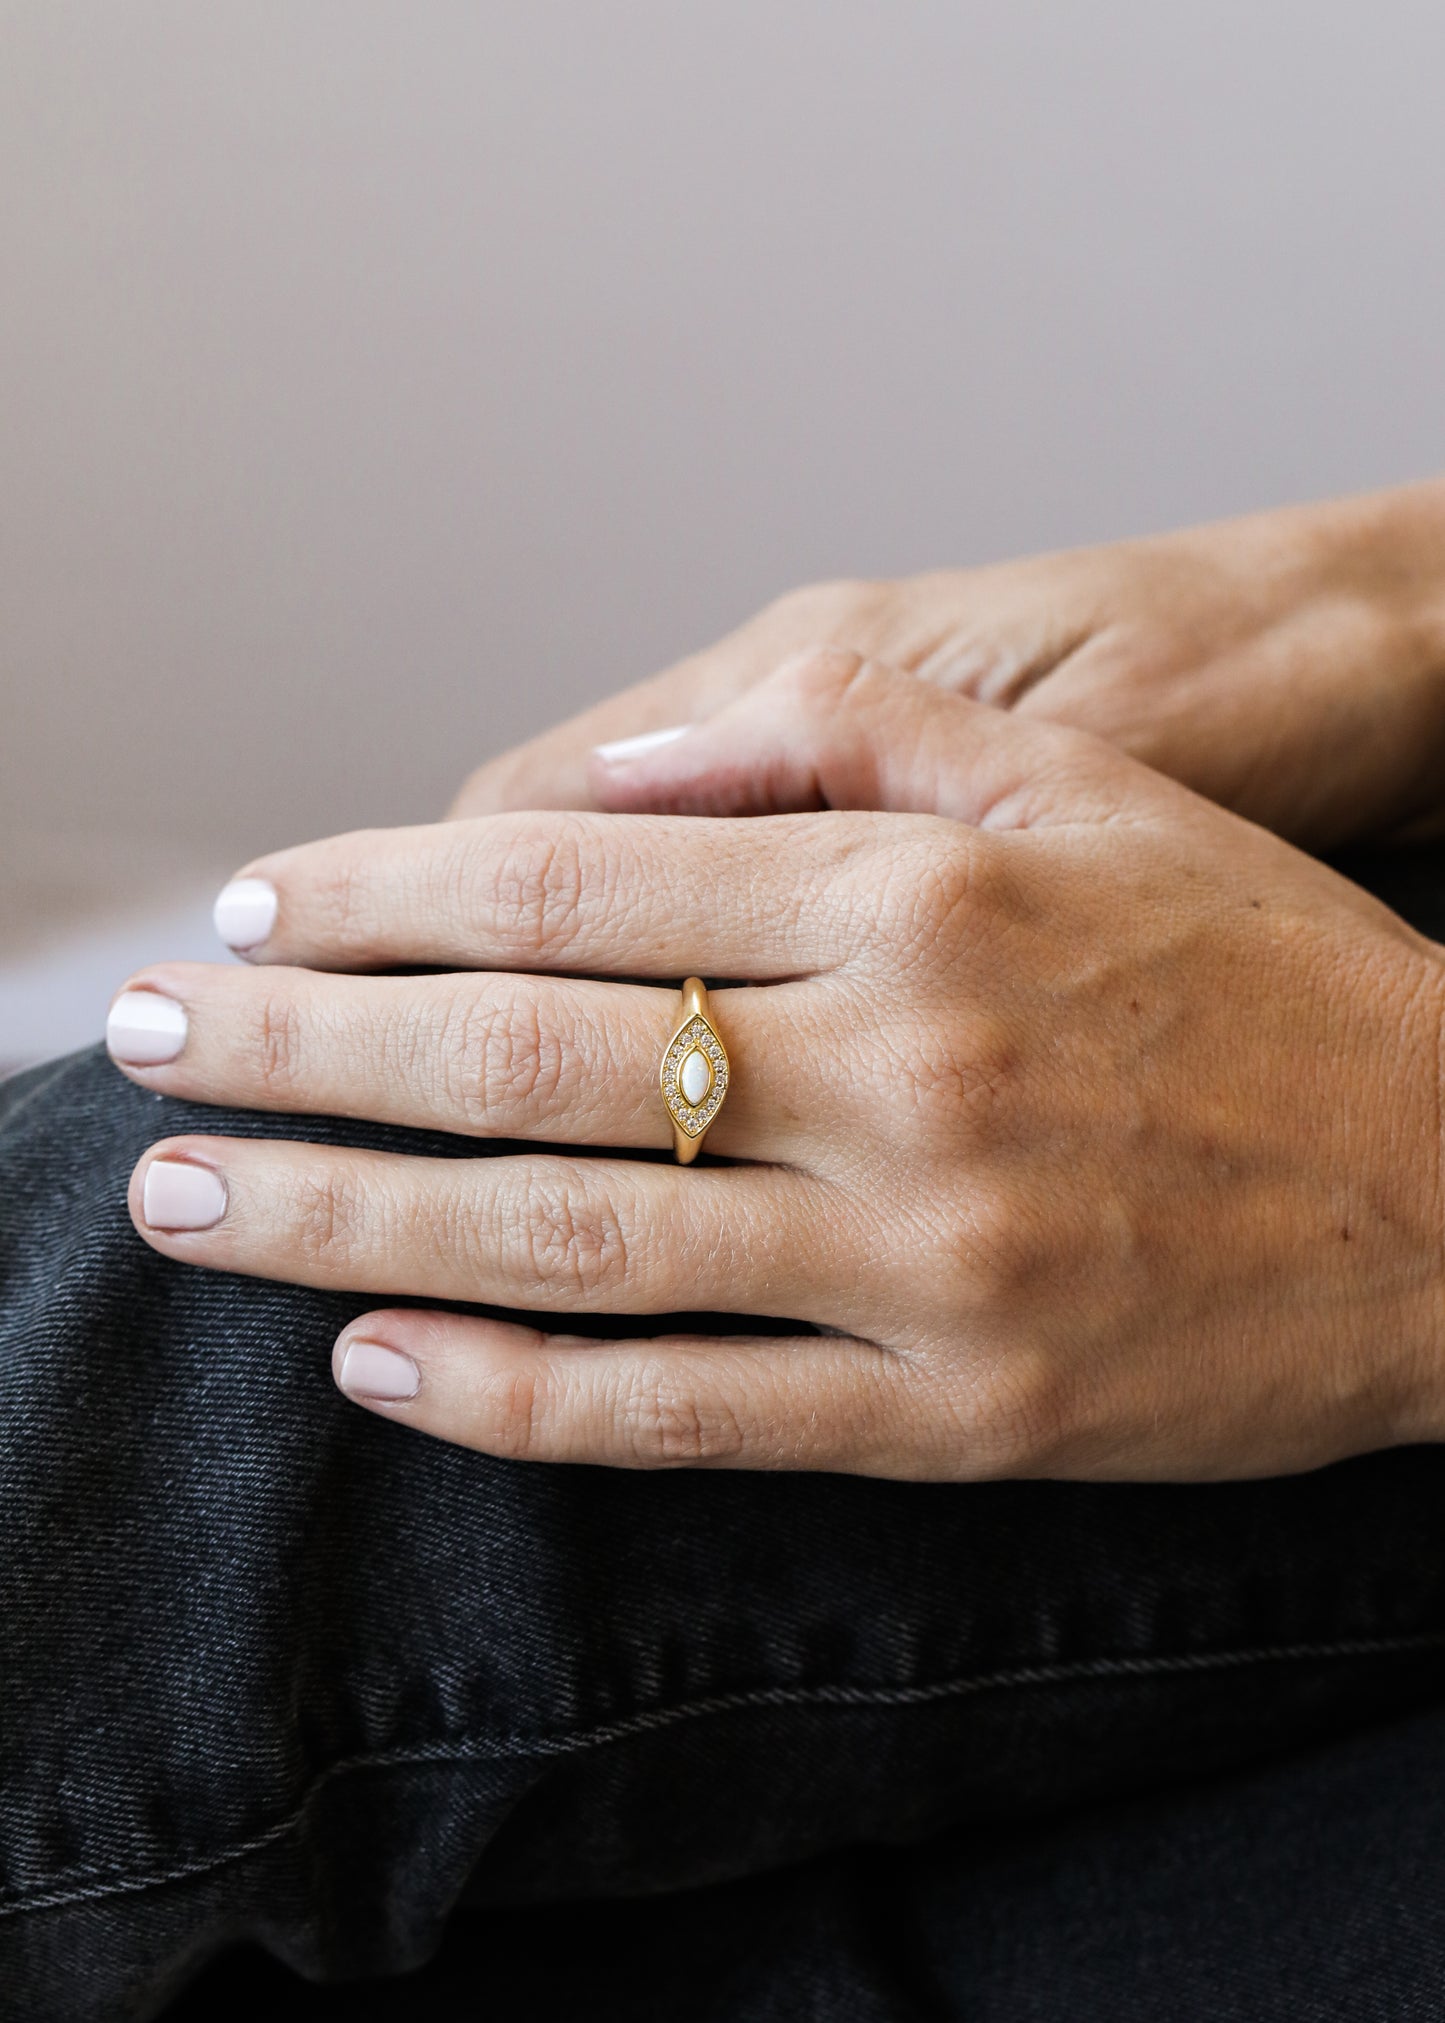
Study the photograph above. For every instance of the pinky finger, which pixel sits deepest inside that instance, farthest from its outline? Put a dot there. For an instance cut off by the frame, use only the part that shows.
(672, 1401)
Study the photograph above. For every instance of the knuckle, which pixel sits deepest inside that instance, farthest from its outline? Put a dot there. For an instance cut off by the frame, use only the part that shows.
(327, 1219)
(956, 1078)
(279, 1043)
(1002, 1251)
(954, 885)
(1021, 1416)
(516, 1409)
(987, 1260)
(931, 879)
(663, 1426)
(1008, 1416)
(537, 891)
(499, 1065)
(568, 1239)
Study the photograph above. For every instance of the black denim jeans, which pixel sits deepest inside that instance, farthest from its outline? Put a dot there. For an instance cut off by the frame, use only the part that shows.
(692, 1745)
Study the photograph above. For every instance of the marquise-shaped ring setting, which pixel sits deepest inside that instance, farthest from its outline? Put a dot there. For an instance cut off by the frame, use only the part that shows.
(694, 1074)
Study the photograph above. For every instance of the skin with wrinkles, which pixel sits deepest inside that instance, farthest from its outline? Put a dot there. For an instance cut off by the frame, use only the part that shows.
(1098, 1128)
(1289, 665)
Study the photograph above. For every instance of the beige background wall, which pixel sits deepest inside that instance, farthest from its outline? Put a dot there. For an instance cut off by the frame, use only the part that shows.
(378, 382)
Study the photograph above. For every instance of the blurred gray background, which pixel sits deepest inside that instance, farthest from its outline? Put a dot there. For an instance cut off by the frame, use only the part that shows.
(380, 382)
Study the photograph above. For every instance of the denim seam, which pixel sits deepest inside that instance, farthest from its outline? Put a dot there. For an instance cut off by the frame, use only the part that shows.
(576, 1741)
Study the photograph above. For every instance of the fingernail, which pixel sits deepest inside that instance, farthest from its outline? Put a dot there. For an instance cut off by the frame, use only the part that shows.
(245, 913)
(145, 1029)
(180, 1195)
(623, 749)
(369, 1370)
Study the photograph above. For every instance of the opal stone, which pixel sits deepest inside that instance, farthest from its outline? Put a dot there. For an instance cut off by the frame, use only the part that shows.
(694, 1076)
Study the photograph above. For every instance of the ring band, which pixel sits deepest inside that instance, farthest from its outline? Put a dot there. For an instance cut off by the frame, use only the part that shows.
(694, 1074)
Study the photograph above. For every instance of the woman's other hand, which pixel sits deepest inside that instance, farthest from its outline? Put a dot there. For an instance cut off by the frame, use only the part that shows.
(1097, 1130)
(1290, 665)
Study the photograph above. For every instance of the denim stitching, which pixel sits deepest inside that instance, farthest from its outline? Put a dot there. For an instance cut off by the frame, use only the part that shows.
(578, 1740)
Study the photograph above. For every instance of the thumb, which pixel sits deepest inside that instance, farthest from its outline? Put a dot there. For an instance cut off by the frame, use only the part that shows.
(832, 730)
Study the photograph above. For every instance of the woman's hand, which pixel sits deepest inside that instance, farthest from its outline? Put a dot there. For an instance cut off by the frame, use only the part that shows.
(1097, 1130)
(1290, 666)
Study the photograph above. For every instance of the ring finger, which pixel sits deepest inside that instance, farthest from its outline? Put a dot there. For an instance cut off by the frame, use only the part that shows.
(492, 1055)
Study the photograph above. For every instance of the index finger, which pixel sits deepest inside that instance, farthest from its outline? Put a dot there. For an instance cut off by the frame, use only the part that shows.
(626, 895)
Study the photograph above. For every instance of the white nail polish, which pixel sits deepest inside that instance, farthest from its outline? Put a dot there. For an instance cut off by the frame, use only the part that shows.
(371, 1370)
(623, 749)
(144, 1029)
(245, 913)
(178, 1194)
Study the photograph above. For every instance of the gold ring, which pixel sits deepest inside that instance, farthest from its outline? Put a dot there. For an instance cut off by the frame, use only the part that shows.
(694, 1073)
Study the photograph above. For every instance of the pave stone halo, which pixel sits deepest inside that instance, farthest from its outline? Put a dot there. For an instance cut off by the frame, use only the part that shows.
(694, 1074)
(694, 1077)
